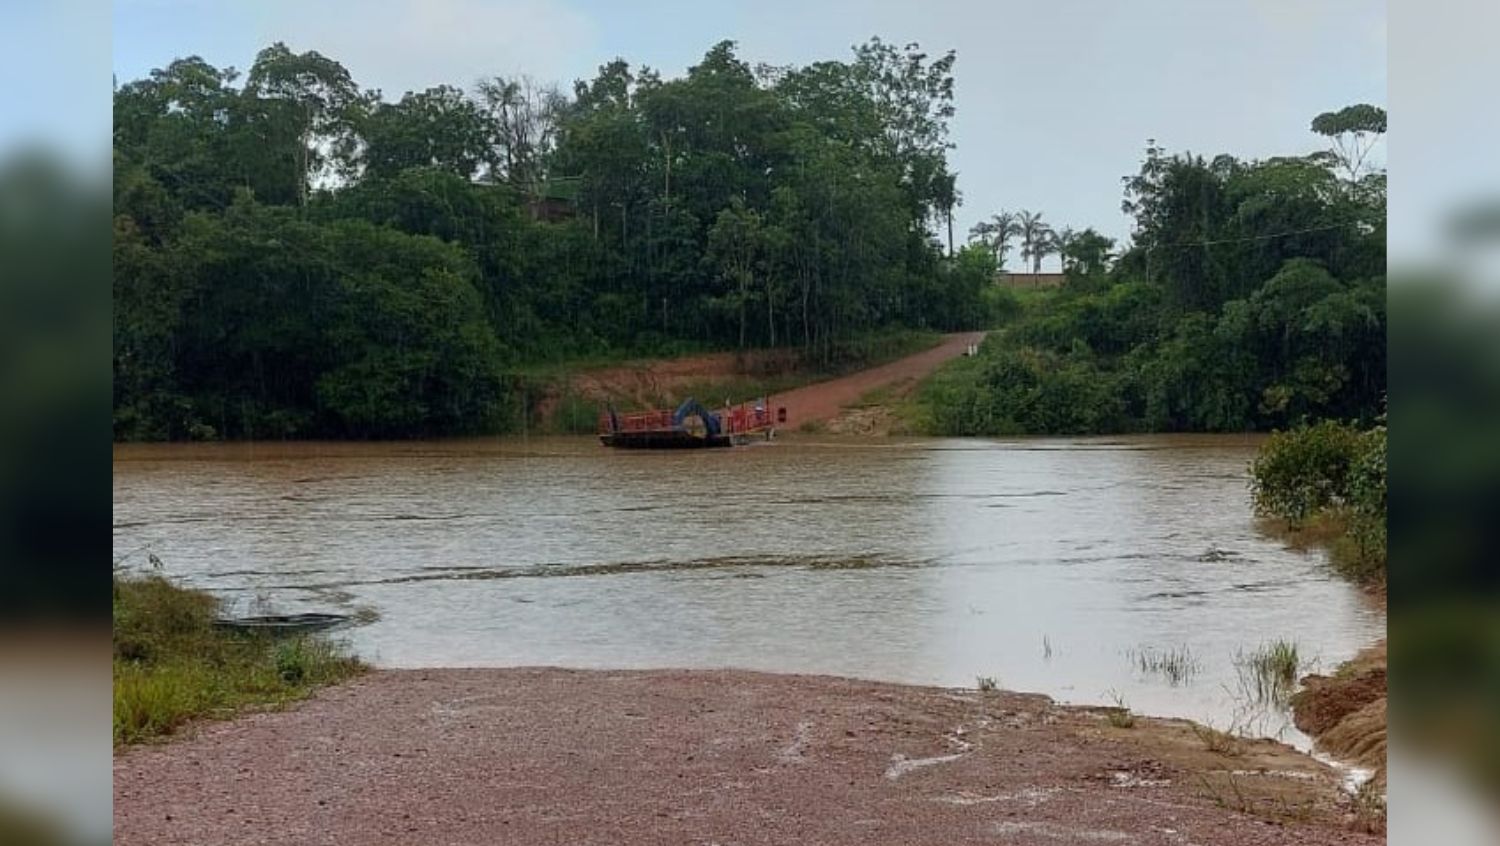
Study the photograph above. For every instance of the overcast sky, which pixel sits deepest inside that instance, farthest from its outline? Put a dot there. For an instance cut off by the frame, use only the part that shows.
(1055, 99)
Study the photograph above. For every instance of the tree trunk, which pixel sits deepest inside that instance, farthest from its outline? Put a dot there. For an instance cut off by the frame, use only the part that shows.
(806, 328)
(742, 310)
(666, 144)
(770, 311)
(950, 232)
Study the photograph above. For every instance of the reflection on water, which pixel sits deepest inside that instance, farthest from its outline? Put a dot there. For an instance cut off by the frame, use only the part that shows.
(1047, 564)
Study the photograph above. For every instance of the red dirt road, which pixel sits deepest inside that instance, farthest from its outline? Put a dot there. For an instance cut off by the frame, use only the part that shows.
(822, 401)
(531, 756)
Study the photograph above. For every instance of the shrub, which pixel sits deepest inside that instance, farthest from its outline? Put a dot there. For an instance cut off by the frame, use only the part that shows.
(1337, 474)
(1362, 551)
(1301, 472)
(1024, 391)
(575, 415)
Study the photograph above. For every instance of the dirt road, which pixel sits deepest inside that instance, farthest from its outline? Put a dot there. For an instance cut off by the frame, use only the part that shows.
(533, 756)
(822, 401)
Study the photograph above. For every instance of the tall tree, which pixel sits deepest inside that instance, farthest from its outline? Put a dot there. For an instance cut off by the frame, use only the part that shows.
(439, 128)
(1033, 231)
(525, 116)
(1058, 243)
(946, 198)
(320, 101)
(995, 234)
(1353, 131)
(1087, 252)
(736, 244)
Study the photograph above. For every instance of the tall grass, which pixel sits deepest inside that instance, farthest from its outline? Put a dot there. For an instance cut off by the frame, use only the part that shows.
(1176, 664)
(171, 665)
(1120, 716)
(1269, 673)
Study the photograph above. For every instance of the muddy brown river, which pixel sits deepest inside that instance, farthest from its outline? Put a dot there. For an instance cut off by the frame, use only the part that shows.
(1068, 567)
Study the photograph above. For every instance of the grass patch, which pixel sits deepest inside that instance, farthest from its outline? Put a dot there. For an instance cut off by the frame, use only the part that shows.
(932, 397)
(1227, 791)
(1120, 716)
(171, 665)
(1369, 808)
(574, 415)
(1220, 742)
(877, 398)
(1269, 673)
(1177, 665)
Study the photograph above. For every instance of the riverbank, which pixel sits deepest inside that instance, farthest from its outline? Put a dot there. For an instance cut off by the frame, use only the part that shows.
(172, 664)
(1345, 713)
(569, 396)
(551, 755)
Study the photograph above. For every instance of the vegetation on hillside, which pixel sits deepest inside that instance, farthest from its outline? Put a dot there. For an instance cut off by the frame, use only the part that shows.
(1251, 298)
(172, 665)
(296, 256)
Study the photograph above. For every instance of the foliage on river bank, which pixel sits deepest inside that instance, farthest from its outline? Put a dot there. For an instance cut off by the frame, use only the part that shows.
(172, 665)
(295, 256)
(1330, 477)
(1253, 298)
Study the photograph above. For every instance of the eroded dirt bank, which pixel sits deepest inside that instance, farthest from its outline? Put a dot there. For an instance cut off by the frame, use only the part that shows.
(1346, 712)
(671, 756)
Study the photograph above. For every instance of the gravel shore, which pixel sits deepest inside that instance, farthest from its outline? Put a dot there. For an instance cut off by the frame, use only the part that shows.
(544, 755)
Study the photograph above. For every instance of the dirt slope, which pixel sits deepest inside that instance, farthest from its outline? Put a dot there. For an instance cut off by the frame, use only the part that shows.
(672, 756)
(1346, 712)
(822, 401)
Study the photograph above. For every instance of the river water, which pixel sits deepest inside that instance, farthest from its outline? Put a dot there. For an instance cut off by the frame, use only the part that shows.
(1049, 565)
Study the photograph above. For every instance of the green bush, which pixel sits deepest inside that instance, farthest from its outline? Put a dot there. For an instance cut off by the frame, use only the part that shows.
(1001, 305)
(575, 415)
(1334, 473)
(1304, 471)
(1023, 391)
(1362, 552)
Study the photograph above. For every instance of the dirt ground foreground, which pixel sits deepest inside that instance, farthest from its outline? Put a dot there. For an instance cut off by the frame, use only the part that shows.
(699, 757)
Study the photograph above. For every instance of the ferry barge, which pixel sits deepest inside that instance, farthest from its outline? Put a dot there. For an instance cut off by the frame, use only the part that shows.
(689, 426)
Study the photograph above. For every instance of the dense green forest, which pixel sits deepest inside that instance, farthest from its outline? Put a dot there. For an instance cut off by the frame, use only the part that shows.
(1251, 297)
(295, 256)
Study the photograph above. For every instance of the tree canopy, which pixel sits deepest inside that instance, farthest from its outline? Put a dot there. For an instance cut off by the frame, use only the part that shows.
(1252, 296)
(297, 256)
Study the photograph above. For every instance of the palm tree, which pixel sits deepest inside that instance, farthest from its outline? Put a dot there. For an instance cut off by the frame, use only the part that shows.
(946, 197)
(996, 233)
(1062, 244)
(1032, 231)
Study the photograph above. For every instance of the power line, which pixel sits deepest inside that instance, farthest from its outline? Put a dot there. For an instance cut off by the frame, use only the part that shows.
(1253, 237)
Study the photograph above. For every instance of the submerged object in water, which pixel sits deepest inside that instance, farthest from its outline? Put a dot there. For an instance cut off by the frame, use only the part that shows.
(283, 623)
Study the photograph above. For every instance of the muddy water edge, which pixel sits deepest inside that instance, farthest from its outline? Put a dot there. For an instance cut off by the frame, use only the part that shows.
(1098, 571)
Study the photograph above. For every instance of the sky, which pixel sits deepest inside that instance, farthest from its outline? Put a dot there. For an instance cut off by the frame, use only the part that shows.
(1055, 101)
